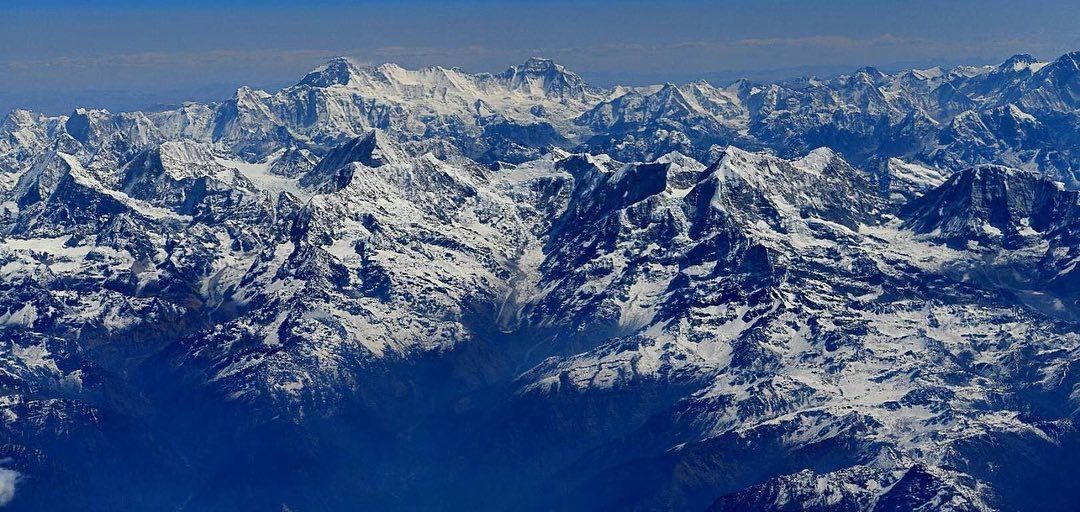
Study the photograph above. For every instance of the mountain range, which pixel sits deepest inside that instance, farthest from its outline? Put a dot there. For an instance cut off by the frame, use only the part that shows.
(395, 289)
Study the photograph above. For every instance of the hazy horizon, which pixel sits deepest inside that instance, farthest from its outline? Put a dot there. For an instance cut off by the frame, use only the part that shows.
(56, 55)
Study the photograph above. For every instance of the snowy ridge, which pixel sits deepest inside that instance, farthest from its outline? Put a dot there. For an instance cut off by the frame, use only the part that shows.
(856, 293)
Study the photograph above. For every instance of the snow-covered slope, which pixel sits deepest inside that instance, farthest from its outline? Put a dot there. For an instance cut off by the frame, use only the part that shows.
(798, 318)
(391, 289)
(1021, 113)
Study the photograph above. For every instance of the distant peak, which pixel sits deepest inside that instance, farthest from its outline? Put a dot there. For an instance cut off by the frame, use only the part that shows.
(336, 71)
(1021, 58)
(543, 77)
(246, 93)
(928, 73)
(1018, 62)
(670, 92)
(870, 71)
(539, 64)
(19, 118)
(83, 123)
(89, 112)
(536, 66)
(393, 67)
(336, 64)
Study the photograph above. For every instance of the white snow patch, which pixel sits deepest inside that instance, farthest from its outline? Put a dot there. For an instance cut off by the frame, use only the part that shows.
(259, 174)
(8, 480)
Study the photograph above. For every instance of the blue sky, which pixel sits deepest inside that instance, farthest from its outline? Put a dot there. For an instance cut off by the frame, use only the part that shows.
(55, 54)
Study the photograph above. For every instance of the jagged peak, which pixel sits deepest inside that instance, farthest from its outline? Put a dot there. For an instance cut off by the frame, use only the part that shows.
(396, 72)
(741, 83)
(393, 68)
(671, 94)
(379, 141)
(245, 92)
(817, 160)
(739, 165)
(759, 186)
(248, 99)
(870, 71)
(336, 71)
(702, 87)
(602, 160)
(90, 112)
(88, 115)
(987, 201)
(764, 167)
(541, 76)
(44, 175)
(736, 155)
(536, 77)
(1018, 62)
(866, 75)
(82, 122)
(19, 118)
(931, 73)
(373, 149)
(968, 119)
(177, 160)
(682, 171)
(539, 65)
(536, 66)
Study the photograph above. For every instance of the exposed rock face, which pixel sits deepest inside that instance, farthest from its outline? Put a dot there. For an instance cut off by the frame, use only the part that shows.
(386, 289)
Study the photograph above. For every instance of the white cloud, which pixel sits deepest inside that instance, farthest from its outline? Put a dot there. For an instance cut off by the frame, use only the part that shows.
(8, 479)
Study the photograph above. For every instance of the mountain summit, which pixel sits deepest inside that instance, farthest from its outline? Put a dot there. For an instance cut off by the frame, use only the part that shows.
(337, 71)
(384, 288)
(542, 77)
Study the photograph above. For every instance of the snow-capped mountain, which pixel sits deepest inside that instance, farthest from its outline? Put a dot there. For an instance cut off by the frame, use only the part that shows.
(394, 289)
(955, 118)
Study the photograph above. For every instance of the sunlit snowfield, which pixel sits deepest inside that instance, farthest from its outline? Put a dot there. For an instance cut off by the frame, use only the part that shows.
(396, 288)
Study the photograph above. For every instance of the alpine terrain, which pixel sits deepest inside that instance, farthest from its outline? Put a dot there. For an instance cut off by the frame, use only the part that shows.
(394, 289)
